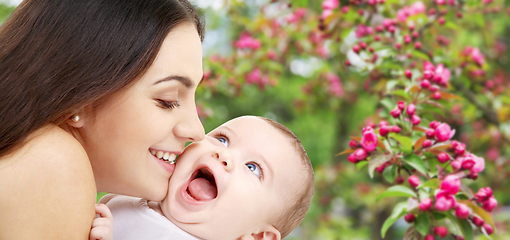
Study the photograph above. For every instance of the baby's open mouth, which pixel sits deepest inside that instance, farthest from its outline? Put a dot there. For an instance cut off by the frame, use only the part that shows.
(203, 185)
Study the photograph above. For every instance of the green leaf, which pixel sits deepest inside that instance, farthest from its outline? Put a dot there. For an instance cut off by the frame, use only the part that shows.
(398, 211)
(391, 84)
(416, 162)
(300, 3)
(361, 164)
(462, 226)
(480, 212)
(412, 234)
(434, 182)
(421, 55)
(438, 215)
(397, 191)
(377, 159)
(390, 173)
(402, 93)
(404, 141)
(422, 223)
(388, 104)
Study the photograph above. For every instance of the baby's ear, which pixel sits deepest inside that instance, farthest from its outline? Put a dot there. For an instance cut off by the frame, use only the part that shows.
(266, 233)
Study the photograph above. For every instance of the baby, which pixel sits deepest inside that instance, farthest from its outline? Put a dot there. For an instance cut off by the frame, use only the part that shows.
(250, 178)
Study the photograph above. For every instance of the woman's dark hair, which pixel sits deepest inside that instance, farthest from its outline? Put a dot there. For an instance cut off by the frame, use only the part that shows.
(57, 56)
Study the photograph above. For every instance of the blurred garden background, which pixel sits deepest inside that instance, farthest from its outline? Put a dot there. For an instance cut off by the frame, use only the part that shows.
(328, 69)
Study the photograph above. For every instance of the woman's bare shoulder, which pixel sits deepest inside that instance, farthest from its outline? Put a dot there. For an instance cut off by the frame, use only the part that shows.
(47, 187)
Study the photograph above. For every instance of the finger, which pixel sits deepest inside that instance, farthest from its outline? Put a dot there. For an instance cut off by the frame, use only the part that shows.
(98, 222)
(103, 211)
(100, 233)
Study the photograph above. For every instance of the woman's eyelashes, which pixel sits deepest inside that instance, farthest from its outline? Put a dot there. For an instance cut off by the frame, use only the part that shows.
(256, 169)
(167, 104)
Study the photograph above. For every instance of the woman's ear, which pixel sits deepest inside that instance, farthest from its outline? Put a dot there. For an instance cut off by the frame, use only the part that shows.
(75, 120)
(266, 233)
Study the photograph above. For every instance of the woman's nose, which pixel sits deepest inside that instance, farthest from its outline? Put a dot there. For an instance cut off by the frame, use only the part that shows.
(223, 156)
(190, 127)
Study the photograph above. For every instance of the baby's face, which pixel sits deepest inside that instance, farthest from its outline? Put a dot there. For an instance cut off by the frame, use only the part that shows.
(234, 181)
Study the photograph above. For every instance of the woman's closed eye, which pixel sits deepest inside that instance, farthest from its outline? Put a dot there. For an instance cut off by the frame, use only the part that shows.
(168, 104)
(256, 169)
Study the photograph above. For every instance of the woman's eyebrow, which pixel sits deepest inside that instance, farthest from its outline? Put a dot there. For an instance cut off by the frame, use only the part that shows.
(186, 81)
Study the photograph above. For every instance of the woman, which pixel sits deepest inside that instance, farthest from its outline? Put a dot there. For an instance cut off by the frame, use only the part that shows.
(94, 95)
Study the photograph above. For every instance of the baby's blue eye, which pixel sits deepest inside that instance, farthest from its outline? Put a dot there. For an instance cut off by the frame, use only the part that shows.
(255, 168)
(223, 140)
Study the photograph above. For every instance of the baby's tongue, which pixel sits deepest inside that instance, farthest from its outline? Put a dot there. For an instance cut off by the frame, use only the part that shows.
(201, 189)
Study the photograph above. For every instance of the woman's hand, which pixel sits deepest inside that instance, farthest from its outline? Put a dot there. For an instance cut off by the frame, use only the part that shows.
(102, 225)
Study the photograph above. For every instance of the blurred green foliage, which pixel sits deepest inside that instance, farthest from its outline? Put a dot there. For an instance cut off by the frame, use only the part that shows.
(344, 205)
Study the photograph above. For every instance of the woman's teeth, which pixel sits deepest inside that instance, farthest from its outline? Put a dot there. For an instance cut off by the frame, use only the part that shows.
(165, 156)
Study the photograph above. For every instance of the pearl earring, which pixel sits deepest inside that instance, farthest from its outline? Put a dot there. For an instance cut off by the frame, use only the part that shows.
(75, 118)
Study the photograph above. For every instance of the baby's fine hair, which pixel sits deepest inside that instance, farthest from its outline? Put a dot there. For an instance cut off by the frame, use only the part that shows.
(294, 213)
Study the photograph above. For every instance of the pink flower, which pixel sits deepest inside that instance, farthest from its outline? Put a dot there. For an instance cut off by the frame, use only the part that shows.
(477, 56)
(326, 13)
(415, 120)
(363, 30)
(395, 113)
(401, 105)
(383, 123)
(384, 130)
(441, 231)
(425, 83)
(428, 66)
(254, 76)
(427, 143)
(442, 204)
(444, 132)
(360, 154)
(460, 148)
(488, 228)
(410, 218)
(443, 157)
(330, 4)
(443, 74)
(425, 204)
(414, 181)
(428, 74)
(441, 2)
(477, 221)
(490, 204)
(369, 140)
(352, 158)
(492, 154)
(450, 184)
(479, 164)
(429, 237)
(430, 133)
(456, 164)
(246, 41)
(417, 8)
(335, 85)
(467, 163)
(353, 144)
(462, 211)
(483, 194)
(296, 15)
(411, 109)
(395, 129)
